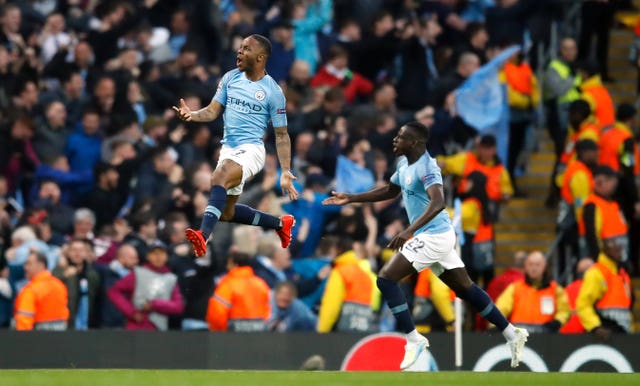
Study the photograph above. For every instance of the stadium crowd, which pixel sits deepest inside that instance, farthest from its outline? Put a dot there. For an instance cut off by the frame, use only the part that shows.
(99, 178)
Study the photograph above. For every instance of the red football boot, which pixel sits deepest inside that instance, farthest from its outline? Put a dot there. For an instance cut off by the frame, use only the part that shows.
(288, 222)
(197, 240)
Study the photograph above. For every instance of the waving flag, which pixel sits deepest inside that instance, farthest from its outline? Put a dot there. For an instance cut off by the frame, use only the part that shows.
(481, 99)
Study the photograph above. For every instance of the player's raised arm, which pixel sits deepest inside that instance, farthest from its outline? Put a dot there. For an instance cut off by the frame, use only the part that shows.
(381, 193)
(206, 114)
(283, 148)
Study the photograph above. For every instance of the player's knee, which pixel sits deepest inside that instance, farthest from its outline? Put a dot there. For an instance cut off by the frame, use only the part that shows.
(384, 275)
(227, 215)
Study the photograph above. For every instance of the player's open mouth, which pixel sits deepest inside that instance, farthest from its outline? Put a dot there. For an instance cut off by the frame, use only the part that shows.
(238, 60)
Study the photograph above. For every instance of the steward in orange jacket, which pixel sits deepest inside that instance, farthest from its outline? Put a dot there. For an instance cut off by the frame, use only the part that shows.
(536, 302)
(581, 126)
(604, 302)
(42, 303)
(241, 302)
(601, 215)
(596, 94)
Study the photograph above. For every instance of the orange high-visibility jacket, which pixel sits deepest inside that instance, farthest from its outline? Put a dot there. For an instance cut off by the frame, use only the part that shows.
(611, 145)
(241, 297)
(574, 167)
(594, 92)
(41, 302)
(613, 222)
(493, 174)
(573, 325)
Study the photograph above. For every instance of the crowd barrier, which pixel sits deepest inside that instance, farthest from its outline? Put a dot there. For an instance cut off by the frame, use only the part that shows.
(204, 350)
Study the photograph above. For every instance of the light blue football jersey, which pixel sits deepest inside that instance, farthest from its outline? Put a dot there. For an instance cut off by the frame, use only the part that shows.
(414, 180)
(248, 107)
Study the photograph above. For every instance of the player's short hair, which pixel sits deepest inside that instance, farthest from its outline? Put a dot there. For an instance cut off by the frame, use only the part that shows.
(102, 168)
(84, 214)
(421, 131)
(264, 43)
(625, 112)
(581, 107)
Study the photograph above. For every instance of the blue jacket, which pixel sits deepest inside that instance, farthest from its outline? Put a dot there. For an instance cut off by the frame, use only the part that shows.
(82, 150)
(304, 33)
(315, 212)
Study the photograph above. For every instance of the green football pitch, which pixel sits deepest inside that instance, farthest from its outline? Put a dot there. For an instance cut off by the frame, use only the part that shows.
(299, 378)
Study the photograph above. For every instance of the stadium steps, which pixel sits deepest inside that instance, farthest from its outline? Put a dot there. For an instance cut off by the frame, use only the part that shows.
(525, 223)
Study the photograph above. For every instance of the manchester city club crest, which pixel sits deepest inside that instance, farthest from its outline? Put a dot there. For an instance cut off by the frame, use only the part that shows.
(408, 180)
(259, 95)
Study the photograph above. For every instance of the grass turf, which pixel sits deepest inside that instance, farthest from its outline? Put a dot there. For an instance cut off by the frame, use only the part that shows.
(286, 378)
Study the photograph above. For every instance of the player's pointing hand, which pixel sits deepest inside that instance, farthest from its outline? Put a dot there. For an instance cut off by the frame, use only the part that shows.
(184, 112)
(336, 198)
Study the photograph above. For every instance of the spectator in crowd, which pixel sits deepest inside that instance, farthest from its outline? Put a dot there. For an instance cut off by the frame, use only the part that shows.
(604, 301)
(52, 132)
(484, 185)
(144, 232)
(42, 303)
(507, 21)
(596, 94)
(308, 19)
(150, 294)
(84, 145)
(620, 151)
(561, 87)
(418, 73)
(60, 215)
(288, 313)
(19, 159)
(536, 302)
(154, 182)
(576, 187)
(241, 301)
(105, 199)
(432, 304)
(601, 216)
(282, 51)
(476, 39)
(581, 126)
(523, 94)
(25, 98)
(76, 271)
(126, 259)
(336, 73)
(349, 294)
(272, 264)
(309, 206)
(597, 20)
(573, 325)
(72, 94)
(72, 184)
